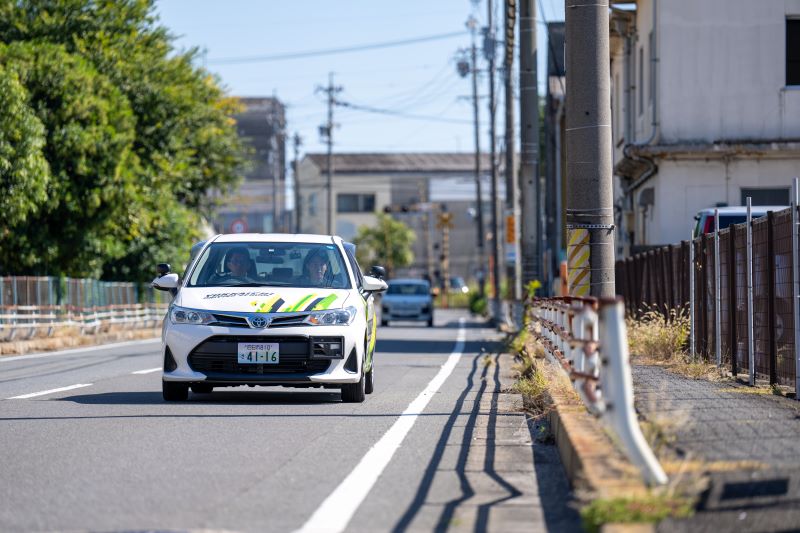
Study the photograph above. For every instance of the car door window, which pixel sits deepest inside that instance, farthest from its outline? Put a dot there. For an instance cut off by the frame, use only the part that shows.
(356, 270)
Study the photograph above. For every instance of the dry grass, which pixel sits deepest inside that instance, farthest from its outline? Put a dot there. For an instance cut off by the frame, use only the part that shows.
(657, 336)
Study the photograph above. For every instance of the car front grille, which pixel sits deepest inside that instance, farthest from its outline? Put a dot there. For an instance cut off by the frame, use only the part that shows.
(217, 355)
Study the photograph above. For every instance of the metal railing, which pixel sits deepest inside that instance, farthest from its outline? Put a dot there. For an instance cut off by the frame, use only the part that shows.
(35, 306)
(588, 338)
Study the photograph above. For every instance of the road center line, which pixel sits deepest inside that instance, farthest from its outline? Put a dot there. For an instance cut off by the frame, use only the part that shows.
(148, 371)
(51, 391)
(336, 511)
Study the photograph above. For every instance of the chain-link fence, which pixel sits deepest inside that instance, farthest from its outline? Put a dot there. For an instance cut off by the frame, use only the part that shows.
(660, 279)
(35, 306)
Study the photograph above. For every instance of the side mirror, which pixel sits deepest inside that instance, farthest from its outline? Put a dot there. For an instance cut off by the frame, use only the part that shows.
(372, 284)
(378, 272)
(162, 269)
(166, 282)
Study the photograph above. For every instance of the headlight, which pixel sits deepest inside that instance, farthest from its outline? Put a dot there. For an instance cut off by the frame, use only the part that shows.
(333, 317)
(181, 315)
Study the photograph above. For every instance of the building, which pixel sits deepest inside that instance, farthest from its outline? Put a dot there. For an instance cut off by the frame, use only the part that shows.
(258, 204)
(367, 183)
(705, 110)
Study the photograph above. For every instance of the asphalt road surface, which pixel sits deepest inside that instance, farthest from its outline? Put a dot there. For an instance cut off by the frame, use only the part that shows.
(87, 444)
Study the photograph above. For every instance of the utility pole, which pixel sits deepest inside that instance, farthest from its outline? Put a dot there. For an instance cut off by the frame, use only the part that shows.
(296, 142)
(489, 52)
(326, 132)
(590, 212)
(472, 25)
(529, 141)
(514, 267)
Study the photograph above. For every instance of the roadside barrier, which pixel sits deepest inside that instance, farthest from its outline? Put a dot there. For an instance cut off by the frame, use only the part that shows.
(588, 338)
(35, 306)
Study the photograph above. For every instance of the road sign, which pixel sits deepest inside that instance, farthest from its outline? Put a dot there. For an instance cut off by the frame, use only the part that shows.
(238, 226)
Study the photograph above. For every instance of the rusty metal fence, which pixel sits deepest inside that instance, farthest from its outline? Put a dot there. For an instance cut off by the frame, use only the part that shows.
(35, 306)
(659, 280)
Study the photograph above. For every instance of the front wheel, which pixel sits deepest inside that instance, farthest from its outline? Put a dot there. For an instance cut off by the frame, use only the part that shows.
(354, 392)
(174, 392)
(369, 386)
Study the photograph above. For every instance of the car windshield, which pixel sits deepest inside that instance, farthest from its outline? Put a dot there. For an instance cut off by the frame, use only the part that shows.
(408, 289)
(282, 264)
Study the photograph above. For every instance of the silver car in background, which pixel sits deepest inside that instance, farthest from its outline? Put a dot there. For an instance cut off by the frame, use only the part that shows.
(407, 299)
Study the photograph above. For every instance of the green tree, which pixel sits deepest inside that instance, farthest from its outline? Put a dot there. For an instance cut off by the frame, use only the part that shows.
(162, 131)
(388, 244)
(24, 172)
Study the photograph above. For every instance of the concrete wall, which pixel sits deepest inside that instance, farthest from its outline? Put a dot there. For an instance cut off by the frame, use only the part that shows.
(723, 69)
(683, 187)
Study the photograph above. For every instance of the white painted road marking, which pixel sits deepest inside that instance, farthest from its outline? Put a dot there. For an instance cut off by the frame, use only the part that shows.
(79, 350)
(51, 391)
(336, 511)
(148, 371)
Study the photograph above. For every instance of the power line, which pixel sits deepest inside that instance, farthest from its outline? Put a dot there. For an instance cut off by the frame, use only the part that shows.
(392, 112)
(332, 51)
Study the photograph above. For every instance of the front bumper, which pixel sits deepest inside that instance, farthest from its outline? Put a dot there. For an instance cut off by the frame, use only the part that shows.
(208, 354)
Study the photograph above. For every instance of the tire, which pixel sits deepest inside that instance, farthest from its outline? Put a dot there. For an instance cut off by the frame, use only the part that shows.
(174, 392)
(354, 392)
(384, 322)
(430, 322)
(369, 384)
(202, 388)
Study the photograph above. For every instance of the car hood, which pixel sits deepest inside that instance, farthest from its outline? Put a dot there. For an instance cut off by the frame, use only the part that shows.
(261, 299)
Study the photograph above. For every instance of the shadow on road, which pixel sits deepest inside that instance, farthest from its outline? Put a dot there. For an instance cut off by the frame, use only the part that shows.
(428, 347)
(553, 489)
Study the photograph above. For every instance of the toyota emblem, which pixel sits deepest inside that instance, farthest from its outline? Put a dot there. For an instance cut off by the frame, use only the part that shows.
(259, 322)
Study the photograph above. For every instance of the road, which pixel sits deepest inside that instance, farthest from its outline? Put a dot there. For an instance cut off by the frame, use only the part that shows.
(110, 455)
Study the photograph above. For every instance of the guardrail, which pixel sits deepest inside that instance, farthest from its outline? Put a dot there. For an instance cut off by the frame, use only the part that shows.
(35, 306)
(588, 338)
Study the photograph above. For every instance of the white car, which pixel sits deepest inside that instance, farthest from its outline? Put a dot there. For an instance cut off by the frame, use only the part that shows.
(270, 309)
(407, 299)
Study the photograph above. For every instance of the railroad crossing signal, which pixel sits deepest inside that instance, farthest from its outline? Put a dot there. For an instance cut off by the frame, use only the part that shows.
(444, 220)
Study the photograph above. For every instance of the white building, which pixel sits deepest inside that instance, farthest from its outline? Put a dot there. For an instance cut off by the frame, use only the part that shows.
(706, 110)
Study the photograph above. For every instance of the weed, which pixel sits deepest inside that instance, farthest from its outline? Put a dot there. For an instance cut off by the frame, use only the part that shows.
(658, 336)
(518, 343)
(648, 509)
(487, 361)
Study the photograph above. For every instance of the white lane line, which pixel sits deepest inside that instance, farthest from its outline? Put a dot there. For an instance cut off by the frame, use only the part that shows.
(51, 391)
(79, 350)
(148, 371)
(336, 511)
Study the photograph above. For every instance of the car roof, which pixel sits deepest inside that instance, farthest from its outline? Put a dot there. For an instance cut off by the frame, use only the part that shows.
(408, 281)
(742, 210)
(277, 237)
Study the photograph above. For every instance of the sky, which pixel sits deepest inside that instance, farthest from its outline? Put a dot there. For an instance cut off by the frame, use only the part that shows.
(417, 79)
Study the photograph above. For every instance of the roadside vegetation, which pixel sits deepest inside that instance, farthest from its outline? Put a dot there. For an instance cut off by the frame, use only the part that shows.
(110, 139)
(645, 509)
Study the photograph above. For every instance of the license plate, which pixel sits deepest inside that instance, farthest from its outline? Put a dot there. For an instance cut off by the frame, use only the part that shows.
(258, 353)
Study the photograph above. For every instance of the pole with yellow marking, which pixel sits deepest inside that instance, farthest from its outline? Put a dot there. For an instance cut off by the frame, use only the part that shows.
(578, 252)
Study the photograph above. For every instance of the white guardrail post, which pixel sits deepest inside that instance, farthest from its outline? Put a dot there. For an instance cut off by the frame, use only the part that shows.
(617, 386)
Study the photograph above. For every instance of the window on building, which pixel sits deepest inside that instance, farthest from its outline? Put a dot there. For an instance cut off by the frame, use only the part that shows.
(766, 196)
(312, 204)
(355, 203)
(793, 51)
(641, 81)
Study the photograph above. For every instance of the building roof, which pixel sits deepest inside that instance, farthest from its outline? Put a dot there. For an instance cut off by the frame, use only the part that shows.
(351, 163)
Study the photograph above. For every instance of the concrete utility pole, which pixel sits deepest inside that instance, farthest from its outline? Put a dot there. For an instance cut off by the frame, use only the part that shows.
(326, 131)
(489, 51)
(590, 212)
(529, 141)
(298, 211)
(514, 267)
(472, 25)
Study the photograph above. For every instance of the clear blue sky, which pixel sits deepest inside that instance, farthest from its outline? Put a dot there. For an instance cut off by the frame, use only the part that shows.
(414, 79)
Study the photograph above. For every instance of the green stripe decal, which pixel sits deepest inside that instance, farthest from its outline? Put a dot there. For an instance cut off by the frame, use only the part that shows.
(299, 303)
(325, 303)
(310, 307)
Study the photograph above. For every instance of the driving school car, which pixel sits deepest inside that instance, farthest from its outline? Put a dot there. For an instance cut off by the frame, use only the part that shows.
(270, 309)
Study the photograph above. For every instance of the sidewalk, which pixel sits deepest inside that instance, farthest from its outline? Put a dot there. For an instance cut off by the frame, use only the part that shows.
(745, 438)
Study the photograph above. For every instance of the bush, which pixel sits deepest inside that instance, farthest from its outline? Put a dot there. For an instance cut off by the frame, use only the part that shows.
(659, 336)
(478, 304)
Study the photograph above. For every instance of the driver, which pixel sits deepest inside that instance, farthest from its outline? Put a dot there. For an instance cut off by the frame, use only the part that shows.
(237, 262)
